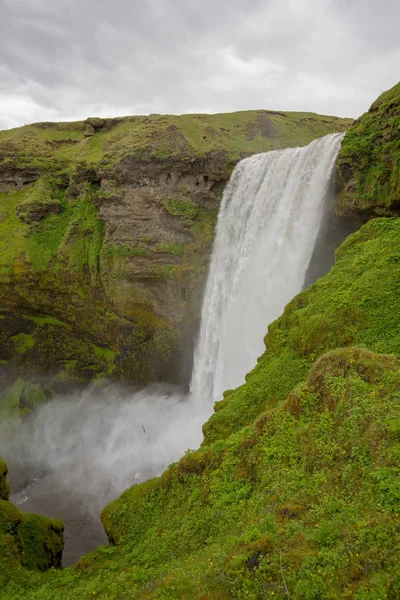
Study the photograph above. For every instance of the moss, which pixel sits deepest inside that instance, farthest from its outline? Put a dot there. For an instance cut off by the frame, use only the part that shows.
(23, 342)
(42, 540)
(369, 160)
(26, 540)
(107, 356)
(112, 513)
(40, 200)
(19, 400)
(164, 271)
(180, 208)
(4, 487)
(9, 407)
(173, 248)
(124, 251)
(43, 321)
(10, 517)
(31, 396)
(196, 462)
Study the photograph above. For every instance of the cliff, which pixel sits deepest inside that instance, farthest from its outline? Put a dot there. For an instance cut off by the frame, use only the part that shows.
(369, 161)
(105, 234)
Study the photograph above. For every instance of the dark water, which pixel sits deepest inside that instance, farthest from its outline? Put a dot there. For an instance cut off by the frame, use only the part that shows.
(47, 496)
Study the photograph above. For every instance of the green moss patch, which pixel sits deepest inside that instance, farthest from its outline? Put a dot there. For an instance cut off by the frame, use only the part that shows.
(23, 342)
(40, 200)
(43, 321)
(181, 208)
(42, 540)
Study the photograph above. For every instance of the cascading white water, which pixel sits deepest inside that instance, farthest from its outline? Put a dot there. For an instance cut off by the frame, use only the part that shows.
(268, 223)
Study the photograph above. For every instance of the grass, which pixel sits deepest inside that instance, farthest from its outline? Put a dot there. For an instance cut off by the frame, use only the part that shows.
(369, 160)
(295, 491)
(302, 503)
(62, 146)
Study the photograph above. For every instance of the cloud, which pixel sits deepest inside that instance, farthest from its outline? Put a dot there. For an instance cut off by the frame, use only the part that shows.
(75, 58)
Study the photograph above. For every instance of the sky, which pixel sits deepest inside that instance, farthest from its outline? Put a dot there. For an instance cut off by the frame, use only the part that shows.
(70, 59)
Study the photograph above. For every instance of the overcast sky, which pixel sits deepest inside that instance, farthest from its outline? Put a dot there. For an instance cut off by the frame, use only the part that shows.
(69, 59)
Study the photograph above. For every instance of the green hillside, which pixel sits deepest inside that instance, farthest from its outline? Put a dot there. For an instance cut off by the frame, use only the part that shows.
(295, 491)
(296, 488)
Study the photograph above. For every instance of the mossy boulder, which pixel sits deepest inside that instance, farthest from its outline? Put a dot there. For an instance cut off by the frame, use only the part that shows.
(106, 229)
(4, 487)
(42, 541)
(368, 164)
(27, 540)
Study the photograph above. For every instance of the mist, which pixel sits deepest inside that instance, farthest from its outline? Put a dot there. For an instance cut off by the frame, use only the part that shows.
(98, 443)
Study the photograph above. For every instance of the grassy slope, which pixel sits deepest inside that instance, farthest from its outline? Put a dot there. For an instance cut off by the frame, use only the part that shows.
(369, 160)
(302, 499)
(346, 307)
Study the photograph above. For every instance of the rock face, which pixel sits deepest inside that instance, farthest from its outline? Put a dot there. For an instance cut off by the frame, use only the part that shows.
(106, 229)
(369, 161)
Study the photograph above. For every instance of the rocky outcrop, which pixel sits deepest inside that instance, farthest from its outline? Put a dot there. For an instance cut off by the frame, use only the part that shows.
(4, 487)
(106, 229)
(27, 540)
(368, 165)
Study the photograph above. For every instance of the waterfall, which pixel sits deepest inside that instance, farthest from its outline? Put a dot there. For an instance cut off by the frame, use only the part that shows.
(267, 226)
(81, 450)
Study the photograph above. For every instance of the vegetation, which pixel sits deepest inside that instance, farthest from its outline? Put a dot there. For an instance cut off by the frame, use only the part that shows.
(74, 278)
(27, 541)
(344, 308)
(45, 146)
(295, 491)
(369, 161)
